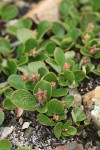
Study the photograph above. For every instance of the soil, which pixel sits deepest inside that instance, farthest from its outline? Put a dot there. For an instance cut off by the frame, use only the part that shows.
(39, 136)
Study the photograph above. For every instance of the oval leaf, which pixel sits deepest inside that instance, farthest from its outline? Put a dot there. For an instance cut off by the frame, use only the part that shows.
(1, 117)
(78, 115)
(58, 129)
(5, 145)
(23, 99)
(43, 119)
(55, 107)
(43, 27)
(16, 81)
(44, 85)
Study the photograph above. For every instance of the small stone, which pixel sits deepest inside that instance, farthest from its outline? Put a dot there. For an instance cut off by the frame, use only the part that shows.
(20, 121)
(28, 132)
(6, 132)
(25, 125)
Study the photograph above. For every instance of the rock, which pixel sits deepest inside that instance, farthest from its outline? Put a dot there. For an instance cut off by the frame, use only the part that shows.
(91, 101)
(74, 146)
(28, 132)
(70, 146)
(6, 132)
(77, 97)
(25, 125)
(44, 10)
(61, 147)
(88, 99)
(20, 121)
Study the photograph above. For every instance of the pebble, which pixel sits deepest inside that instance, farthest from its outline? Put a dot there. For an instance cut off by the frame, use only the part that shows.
(20, 121)
(6, 132)
(25, 125)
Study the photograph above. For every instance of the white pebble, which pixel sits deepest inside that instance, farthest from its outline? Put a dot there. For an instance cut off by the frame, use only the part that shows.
(25, 125)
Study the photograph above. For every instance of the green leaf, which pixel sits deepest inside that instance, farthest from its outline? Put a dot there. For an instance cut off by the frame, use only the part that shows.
(24, 100)
(12, 30)
(79, 75)
(5, 145)
(44, 85)
(78, 115)
(30, 44)
(24, 34)
(96, 5)
(54, 65)
(56, 39)
(8, 92)
(55, 107)
(50, 47)
(85, 52)
(67, 78)
(50, 77)
(59, 92)
(12, 66)
(9, 12)
(59, 57)
(58, 29)
(62, 117)
(1, 117)
(67, 124)
(70, 55)
(35, 66)
(43, 27)
(97, 55)
(23, 60)
(42, 71)
(24, 23)
(43, 119)
(66, 43)
(71, 130)
(64, 7)
(65, 127)
(20, 50)
(74, 33)
(7, 104)
(58, 129)
(4, 47)
(16, 81)
(42, 109)
(96, 71)
(69, 99)
(29, 85)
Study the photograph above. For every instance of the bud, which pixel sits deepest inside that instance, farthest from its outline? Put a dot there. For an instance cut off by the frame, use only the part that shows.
(90, 27)
(66, 66)
(25, 77)
(35, 77)
(53, 84)
(87, 36)
(85, 61)
(33, 53)
(64, 102)
(41, 96)
(94, 49)
(55, 117)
